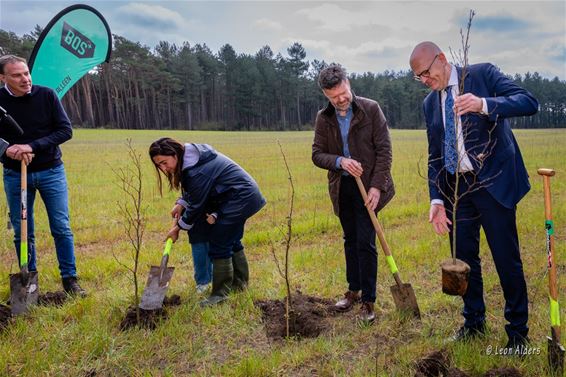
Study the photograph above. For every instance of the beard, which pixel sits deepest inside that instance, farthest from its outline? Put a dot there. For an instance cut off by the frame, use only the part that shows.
(343, 106)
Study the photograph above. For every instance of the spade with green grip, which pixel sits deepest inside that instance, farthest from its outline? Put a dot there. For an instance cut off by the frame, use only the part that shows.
(24, 290)
(165, 260)
(403, 293)
(24, 271)
(555, 349)
(158, 281)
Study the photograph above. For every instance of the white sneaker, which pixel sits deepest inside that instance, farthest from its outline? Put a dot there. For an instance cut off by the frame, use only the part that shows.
(201, 288)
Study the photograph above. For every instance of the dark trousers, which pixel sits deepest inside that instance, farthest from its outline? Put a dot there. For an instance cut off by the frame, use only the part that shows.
(225, 240)
(359, 240)
(479, 208)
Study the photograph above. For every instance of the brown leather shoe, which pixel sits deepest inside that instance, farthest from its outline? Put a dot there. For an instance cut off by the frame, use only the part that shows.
(345, 304)
(367, 314)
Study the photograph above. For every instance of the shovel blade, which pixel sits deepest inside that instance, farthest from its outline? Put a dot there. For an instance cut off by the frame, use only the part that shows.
(23, 293)
(155, 290)
(555, 357)
(405, 299)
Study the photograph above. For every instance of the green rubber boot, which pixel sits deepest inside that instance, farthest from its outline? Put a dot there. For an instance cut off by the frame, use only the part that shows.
(241, 271)
(222, 276)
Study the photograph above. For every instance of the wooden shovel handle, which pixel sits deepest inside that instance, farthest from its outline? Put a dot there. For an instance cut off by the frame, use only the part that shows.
(378, 229)
(376, 224)
(552, 283)
(546, 174)
(544, 171)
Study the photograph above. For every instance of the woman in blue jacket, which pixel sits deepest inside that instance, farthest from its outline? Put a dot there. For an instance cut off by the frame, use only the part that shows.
(206, 176)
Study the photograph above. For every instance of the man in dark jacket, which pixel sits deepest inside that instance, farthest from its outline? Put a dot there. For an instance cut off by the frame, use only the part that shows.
(352, 140)
(39, 113)
(469, 138)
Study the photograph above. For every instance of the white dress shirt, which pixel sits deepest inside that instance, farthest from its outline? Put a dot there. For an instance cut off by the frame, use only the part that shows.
(465, 165)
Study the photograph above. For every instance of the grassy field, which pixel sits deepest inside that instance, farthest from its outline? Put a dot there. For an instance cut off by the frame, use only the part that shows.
(82, 337)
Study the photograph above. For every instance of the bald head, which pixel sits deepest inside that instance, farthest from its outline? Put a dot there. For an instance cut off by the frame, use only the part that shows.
(424, 50)
(430, 66)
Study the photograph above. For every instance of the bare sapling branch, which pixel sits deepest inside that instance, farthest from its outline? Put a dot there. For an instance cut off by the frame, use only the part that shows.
(288, 236)
(471, 148)
(463, 62)
(133, 213)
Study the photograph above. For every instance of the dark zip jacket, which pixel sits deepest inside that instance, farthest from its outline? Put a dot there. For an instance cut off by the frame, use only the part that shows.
(217, 179)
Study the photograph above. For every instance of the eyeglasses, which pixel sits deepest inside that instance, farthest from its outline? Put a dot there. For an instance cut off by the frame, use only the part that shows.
(426, 72)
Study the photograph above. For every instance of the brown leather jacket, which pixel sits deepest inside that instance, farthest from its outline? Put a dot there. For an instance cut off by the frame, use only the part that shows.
(368, 142)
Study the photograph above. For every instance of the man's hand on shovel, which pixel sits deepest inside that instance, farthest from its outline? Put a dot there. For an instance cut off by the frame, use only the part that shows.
(19, 152)
(373, 198)
(353, 167)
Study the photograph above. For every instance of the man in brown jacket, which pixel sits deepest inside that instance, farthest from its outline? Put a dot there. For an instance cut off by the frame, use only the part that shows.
(352, 140)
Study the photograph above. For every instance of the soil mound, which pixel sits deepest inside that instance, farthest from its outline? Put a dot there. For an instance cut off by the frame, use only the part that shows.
(149, 319)
(307, 319)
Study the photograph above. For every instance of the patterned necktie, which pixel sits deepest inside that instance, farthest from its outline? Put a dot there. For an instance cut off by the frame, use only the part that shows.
(450, 154)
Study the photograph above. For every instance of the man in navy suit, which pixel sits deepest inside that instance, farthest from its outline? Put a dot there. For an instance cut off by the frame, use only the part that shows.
(483, 152)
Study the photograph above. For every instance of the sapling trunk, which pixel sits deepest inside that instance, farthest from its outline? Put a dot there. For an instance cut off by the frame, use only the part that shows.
(133, 214)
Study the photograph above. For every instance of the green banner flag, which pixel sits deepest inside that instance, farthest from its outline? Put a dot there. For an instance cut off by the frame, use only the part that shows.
(75, 41)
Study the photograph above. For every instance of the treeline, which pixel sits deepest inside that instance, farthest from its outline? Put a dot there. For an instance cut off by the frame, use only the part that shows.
(192, 87)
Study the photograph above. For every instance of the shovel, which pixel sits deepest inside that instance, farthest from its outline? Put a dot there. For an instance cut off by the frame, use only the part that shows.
(24, 289)
(555, 349)
(403, 293)
(158, 282)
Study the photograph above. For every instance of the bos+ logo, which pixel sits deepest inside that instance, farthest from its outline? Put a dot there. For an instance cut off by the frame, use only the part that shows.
(76, 43)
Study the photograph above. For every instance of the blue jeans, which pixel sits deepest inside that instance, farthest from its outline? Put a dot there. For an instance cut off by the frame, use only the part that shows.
(52, 186)
(201, 261)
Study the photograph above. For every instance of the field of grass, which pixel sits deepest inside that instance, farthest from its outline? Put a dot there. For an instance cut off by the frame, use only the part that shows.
(82, 337)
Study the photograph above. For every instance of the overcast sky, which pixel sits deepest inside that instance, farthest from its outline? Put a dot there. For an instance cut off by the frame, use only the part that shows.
(518, 36)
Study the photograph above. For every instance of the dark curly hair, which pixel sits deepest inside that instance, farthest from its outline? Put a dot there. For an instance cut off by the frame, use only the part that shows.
(331, 76)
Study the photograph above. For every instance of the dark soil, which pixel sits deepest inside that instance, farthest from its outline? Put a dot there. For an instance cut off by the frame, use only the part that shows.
(434, 364)
(503, 372)
(437, 364)
(308, 318)
(53, 298)
(5, 315)
(455, 372)
(47, 299)
(174, 300)
(149, 319)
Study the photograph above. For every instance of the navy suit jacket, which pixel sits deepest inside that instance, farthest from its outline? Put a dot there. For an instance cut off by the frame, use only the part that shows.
(489, 141)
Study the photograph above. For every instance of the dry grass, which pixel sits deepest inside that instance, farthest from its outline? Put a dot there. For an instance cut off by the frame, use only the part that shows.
(82, 337)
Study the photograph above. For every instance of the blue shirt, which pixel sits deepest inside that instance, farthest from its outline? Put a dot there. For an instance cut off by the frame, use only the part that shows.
(344, 124)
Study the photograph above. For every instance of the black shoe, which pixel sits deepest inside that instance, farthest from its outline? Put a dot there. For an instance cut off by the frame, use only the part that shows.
(465, 334)
(72, 287)
(517, 346)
